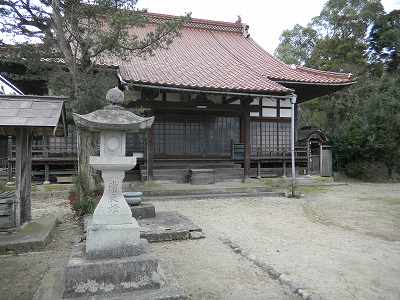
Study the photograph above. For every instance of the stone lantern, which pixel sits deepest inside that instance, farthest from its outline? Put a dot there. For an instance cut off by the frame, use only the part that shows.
(114, 258)
(113, 230)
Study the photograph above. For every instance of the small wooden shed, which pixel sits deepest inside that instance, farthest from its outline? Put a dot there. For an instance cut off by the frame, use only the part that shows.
(24, 116)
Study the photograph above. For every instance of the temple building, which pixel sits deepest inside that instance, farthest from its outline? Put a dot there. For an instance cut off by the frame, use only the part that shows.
(220, 101)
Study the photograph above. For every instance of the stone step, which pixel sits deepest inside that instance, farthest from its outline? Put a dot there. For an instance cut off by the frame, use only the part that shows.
(186, 171)
(204, 191)
(214, 196)
(192, 166)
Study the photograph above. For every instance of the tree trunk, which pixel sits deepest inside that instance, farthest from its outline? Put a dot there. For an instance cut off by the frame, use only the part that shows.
(23, 168)
(88, 179)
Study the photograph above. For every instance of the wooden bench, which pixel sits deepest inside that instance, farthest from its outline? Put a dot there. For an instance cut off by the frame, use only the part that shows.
(202, 176)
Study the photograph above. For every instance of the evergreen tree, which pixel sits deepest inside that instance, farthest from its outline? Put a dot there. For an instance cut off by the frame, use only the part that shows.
(362, 121)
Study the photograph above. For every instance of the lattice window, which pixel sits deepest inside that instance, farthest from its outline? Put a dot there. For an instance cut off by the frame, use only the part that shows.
(195, 135)
(269, 137)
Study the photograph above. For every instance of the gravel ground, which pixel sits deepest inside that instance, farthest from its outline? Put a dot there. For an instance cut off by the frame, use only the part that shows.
(208, 269)
(21, 275)
(340, 242)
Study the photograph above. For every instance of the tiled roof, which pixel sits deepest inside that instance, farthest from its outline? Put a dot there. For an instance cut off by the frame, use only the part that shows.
(31, 111)
(217, 56)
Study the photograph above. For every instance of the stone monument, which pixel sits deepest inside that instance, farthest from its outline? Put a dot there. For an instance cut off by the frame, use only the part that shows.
(115, 258)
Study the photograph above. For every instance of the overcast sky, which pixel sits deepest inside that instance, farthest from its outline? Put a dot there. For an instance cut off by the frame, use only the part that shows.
(266, 18)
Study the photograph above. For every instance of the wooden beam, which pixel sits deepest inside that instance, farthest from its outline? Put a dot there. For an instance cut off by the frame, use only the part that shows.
(230, 100)
(184, 106)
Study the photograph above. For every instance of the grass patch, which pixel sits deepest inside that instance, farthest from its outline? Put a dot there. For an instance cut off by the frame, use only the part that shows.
(152, 184)
(322, 179)
(11, 188)
(251, 184)
(6, 188)
(385, 200)
(276, 183)
(55, 187)
(391, 201)
(311, 189)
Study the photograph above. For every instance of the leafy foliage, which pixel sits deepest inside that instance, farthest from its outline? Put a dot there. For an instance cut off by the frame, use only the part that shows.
(384, 41)
(296, 45)
(363, 121)
(78, 34)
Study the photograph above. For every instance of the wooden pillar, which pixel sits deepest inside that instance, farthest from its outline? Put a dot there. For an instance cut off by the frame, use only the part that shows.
(46, 165)
(245, 135)
(284, 167)
(10, 172)
(10, 157)
(150, 153)
(23, 166)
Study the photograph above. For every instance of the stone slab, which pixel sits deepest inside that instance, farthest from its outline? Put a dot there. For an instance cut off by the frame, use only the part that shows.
(86, 277)
(202, 176)
(143, 211)
(167, 226)
(33, 236)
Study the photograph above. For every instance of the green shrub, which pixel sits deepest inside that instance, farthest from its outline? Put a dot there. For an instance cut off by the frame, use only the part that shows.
(357, 169)
(2, 186)
(81, 203)
(85, 206)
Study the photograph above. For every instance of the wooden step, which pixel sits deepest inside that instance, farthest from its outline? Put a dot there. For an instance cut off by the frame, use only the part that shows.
(189, 165)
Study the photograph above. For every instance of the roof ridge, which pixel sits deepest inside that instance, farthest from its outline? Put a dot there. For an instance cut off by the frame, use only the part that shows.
(200, 23)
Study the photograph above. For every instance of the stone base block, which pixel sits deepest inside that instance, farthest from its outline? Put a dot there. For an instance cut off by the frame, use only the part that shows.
(114, 240)
(86, 277)
(139, 248)
(167, 226)
(143, 211)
